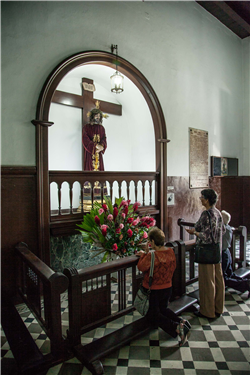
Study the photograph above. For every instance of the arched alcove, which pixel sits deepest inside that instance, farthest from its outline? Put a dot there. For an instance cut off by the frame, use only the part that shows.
(42, 123)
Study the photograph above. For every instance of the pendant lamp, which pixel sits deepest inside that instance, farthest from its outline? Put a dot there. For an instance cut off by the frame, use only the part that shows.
(116, 79)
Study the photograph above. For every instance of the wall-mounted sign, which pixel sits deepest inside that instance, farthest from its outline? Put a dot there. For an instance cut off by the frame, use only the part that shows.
(198, 158)
(88, 86)
(221, 166)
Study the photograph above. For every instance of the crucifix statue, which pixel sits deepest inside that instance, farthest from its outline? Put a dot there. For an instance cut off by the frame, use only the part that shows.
(94, 147)
(94, 140)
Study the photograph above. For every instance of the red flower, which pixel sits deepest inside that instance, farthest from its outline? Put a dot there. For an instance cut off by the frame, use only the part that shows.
(144, 224)
(130, 233)
(136, 205)
(115, 247)
(118, 230)
(97, 220)
(125, 210)
(115, 212)
(104, 232)
(104, 206)
(130, 220)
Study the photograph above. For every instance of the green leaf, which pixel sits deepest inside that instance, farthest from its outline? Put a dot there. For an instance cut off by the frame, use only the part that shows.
(109, 204)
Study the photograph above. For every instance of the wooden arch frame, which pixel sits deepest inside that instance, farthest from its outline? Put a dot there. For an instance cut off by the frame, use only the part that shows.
(42, 124)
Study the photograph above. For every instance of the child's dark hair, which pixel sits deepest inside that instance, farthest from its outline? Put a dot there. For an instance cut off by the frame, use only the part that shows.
(157, 235)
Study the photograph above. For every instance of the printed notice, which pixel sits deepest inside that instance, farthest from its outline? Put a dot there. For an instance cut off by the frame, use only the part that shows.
(198, 158)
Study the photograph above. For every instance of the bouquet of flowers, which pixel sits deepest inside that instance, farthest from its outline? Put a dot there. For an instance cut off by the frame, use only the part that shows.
(115, 229)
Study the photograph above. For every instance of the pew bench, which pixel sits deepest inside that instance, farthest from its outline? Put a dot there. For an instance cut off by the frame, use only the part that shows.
(243, 272)
(91, 354)
(28, 357)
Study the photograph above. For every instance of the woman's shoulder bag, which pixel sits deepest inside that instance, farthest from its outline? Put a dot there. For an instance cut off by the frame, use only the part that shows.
(208, 253)
(141, 302)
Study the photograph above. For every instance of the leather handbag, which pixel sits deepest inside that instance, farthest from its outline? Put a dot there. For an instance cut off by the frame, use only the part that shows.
(141, 302)
(208, 253)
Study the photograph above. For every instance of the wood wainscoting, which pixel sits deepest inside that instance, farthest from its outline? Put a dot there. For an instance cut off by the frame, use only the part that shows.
(18, 219)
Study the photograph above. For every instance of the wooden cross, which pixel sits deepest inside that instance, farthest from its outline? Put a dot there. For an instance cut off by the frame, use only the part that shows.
(85, 101)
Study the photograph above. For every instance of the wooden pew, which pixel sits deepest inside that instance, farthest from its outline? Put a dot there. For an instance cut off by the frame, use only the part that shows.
(28, 357)
(239, 264)
(40, 289)
(90, 306)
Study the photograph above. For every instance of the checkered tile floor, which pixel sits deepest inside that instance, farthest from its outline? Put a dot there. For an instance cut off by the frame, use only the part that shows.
(215, 347)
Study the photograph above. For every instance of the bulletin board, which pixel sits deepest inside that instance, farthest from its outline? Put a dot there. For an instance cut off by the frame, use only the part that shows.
(198, 159)
(221, 166)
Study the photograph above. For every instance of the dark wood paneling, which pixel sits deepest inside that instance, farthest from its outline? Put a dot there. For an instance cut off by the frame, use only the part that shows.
(18, 219)
(246, 202)
(235, 199)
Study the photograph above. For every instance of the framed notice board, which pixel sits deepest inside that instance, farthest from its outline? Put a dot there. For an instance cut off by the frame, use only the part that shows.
(221, 166)
(198, 158)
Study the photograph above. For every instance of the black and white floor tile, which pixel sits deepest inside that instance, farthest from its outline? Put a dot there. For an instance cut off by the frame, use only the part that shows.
(216, 346)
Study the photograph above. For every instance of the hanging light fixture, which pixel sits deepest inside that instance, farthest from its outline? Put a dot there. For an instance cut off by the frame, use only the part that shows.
(117, 78)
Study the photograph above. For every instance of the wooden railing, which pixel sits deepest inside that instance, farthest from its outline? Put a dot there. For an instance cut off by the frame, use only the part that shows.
(41, 289)
(90, 304)
(89, 294)
(131, 185)
(239, 234)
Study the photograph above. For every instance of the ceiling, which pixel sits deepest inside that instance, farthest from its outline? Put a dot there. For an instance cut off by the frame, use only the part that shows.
(233, 14)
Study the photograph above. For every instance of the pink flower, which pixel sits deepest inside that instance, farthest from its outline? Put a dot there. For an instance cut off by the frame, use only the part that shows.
(130, 233)
(115, 247)
(97, 220)
(123, 215)
(100, 211)
(104, 206)
(152, 224)
(145, 235)
(121, 226)
(135, 222)
(123, 203)
(110, 217)
(136, 205)
(104, 226)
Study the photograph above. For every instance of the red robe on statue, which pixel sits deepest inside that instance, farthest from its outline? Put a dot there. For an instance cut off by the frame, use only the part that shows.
(91, 136)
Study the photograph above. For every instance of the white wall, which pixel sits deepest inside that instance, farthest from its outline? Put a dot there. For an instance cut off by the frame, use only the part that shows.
(245, 152)
(193, 62)
(130, 137)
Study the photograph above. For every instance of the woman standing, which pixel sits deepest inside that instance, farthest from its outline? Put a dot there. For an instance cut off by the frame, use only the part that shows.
(159, 315)
(211, 282)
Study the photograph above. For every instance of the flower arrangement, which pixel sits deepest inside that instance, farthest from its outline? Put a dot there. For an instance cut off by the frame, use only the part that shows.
(115, 229)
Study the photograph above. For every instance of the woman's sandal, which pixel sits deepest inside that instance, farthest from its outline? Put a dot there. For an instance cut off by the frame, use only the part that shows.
(186, 323)
(183, 333)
